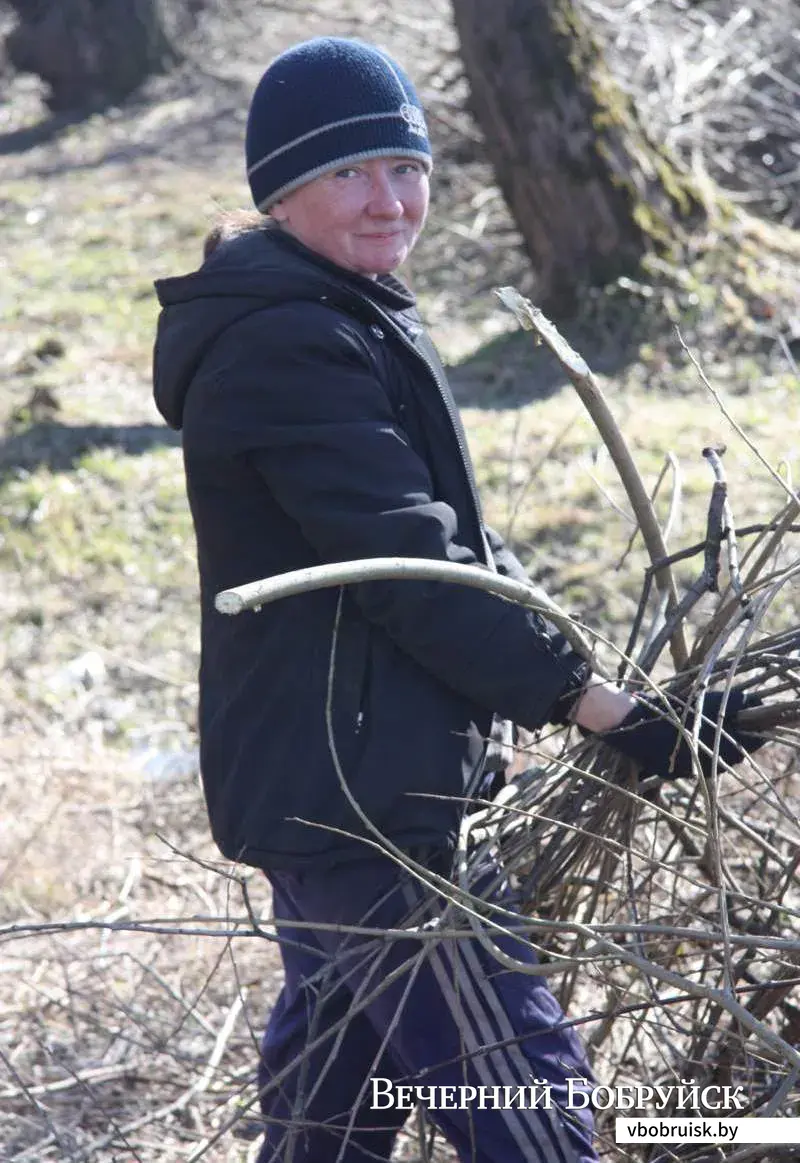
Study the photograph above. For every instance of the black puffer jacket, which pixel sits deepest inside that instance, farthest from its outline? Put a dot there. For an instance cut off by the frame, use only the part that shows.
(318, 426)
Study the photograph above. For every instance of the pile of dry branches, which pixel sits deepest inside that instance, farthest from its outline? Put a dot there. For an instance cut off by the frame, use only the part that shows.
(680, 904)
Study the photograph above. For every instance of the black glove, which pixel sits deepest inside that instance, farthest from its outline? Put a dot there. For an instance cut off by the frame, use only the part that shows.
(649, 735)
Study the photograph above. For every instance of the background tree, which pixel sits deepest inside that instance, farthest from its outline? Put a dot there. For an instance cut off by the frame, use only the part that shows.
(90, 51)
(589, 191)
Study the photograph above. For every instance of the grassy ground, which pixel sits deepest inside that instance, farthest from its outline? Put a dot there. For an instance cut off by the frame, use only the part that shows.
(99, 634)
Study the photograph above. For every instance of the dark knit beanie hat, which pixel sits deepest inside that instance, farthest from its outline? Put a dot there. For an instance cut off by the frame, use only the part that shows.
(324, 103)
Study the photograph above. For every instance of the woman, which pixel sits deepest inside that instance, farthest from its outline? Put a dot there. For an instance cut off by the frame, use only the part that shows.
(318, 426)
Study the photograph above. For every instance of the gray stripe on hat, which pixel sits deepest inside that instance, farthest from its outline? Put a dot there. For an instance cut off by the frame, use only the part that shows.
(337, 163)
(322, 129)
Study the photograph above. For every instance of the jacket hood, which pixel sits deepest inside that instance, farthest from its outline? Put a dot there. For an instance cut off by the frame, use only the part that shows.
(249, 272)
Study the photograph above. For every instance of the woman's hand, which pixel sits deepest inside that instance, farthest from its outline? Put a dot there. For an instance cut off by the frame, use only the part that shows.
(648, 730)
(602, 706)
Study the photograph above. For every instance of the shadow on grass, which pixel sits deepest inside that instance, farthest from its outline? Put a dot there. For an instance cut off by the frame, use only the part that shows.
(192, 140)
(43, 132)
(58, 447)
(510, 370)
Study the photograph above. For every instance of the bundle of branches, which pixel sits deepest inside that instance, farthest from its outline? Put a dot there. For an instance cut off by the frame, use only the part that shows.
(666, 911)
(680, 903)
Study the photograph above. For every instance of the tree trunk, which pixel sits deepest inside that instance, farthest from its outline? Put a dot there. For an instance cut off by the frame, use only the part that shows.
(89, 51)
(589, 192)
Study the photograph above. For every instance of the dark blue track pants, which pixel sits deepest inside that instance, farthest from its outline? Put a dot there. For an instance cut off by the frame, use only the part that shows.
(434, 1012)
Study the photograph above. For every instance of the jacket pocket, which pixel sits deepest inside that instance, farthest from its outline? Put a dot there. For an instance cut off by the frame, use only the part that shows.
(351, 671)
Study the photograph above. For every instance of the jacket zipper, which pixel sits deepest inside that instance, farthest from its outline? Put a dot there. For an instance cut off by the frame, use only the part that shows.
(444, 395)
(443, 390)
(354, 304)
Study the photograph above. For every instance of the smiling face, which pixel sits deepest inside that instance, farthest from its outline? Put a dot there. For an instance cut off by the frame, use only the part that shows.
(365, 216)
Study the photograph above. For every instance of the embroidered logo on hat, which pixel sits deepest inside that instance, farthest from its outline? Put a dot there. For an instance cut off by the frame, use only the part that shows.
(414, 119)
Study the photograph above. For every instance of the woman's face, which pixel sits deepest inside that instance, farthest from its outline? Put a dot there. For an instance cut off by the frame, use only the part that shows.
(365, 216)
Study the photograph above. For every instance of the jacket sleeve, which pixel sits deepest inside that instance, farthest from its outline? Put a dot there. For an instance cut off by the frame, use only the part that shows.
(308, 411)
(509, 565)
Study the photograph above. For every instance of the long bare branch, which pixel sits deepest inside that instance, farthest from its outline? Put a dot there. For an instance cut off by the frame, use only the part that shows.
(582, 379)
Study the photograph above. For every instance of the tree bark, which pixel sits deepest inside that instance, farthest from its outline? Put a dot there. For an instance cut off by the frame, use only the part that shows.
(89, 52)
(589, 192)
